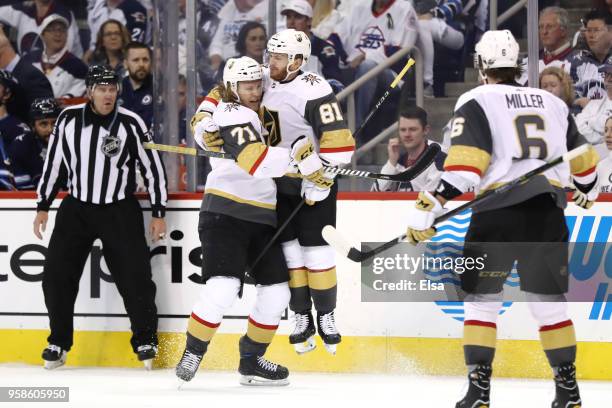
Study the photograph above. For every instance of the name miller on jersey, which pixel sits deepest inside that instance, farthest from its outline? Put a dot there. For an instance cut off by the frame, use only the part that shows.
(520, 100)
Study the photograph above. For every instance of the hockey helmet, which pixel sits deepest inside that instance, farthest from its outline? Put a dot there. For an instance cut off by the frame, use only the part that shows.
(292, 43)
(496, 49)
(44, 108)
(241, 69)
(101, 75)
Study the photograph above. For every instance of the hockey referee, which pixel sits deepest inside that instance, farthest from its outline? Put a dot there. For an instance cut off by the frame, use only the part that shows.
(95, 146)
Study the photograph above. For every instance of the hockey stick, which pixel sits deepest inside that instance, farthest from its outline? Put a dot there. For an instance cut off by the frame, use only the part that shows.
(425, 161)
(396, 81)
(333, 237)
(429, 155)
(419, 167)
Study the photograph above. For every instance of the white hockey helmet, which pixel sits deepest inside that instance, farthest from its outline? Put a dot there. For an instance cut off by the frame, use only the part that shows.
(292, 43)
(496, 49)
(241, 69)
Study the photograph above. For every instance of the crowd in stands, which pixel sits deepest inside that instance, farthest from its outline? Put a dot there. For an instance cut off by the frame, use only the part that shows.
(45, 52)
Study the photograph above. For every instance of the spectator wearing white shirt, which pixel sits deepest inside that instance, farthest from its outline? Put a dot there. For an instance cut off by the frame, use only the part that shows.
(591, 121)
(406, 149)
(64, 70)
(604, 167)
(26, 18)
(232, 17)
(374, 31)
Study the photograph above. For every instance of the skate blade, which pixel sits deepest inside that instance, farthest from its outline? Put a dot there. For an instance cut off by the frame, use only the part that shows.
(305, 347)
(148, 364)
(331, 348)
(253, 380)
(180, 384)
(52, 365)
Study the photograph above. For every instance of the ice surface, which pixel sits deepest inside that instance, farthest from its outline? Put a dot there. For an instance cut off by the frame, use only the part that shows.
(136, 388)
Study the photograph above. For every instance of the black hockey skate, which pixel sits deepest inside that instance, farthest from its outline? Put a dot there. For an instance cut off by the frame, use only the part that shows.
(256, 370)
(146, 353)
(478, 390)
(566, 388)
(191, 359)
(302, 337)
(54, 356)
(326, 324)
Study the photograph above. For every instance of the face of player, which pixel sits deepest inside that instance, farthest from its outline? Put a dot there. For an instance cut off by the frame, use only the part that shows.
(55, 37)
(138, 63)
(411, 133)
(278, 66)
(552, 36)
(103, 98)
(112, 38)
(43, 128)
(608, 133)
(597, 35)
(250, 93)
(552, 84)
(255, 43)
(297, 21)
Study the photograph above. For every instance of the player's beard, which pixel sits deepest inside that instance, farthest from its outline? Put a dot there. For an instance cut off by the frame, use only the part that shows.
(278, 75)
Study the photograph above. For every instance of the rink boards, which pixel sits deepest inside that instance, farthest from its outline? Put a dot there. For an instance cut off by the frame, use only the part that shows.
(394, 337)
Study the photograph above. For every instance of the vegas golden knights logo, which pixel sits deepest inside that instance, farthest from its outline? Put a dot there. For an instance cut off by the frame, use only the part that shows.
(272, 125)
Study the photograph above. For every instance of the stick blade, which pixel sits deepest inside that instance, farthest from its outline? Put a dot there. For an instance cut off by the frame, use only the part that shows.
(421, 165)
(337, 241)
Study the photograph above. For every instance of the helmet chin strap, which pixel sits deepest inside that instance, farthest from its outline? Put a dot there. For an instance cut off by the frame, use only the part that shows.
(483, 77)
(234, 90)
(291, 60)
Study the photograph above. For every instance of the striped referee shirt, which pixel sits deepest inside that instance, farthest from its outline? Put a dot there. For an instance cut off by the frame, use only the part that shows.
(97, 155)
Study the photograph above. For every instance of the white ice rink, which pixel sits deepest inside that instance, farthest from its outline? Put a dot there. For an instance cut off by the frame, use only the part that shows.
(135, 388)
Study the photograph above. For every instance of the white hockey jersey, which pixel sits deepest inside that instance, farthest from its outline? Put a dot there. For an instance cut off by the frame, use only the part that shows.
(244, 188)
(66, 73)
(501, 132)
(378, 35)
(306, 106)
(592, 120)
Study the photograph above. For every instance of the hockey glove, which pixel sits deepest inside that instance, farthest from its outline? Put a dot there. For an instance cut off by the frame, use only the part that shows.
(206, 132)
(312, 193)
(309, 163)
(421, 218)
(585, 195)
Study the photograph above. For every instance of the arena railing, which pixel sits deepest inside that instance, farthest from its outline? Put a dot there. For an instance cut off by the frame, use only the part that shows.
(348, 93)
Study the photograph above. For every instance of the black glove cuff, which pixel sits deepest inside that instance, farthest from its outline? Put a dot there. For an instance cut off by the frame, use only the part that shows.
(447, 191)
(585, 188)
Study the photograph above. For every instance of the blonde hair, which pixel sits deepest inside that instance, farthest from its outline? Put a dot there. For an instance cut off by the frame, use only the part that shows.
(226, 93)
(567, 85)
(321, 10)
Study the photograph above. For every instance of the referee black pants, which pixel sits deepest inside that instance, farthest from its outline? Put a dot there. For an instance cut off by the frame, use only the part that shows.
(120, 227)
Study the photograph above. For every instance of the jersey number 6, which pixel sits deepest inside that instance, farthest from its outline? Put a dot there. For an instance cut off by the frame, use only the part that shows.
(532, 147)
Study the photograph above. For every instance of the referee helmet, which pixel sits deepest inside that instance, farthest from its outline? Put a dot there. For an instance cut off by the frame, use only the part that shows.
(101, 75)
